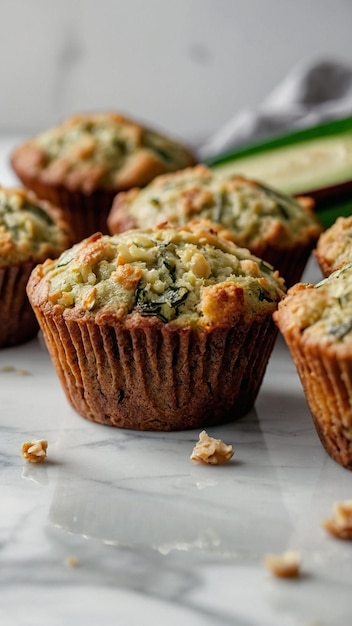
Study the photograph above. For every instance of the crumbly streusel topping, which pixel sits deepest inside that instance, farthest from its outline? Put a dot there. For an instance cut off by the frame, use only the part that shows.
(322, 312)
(334, 247)
(104, 150)
(251, 211)
(185, 275)
(28, 231)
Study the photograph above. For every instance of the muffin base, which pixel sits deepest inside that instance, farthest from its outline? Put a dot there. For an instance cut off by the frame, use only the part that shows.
(17, 319)
(158, 377)
(327, 382)
(86, 214)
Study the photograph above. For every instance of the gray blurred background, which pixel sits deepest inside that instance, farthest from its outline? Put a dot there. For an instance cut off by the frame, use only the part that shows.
(185, 66)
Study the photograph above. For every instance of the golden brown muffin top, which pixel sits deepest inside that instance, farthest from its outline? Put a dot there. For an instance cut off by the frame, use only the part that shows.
(255, 214)
(334, 247)
(320, 314)
(98, 151)
(188, 276)
(30, 229)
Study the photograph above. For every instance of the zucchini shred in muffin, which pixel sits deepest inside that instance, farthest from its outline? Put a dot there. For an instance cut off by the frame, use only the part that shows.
(273, 226)
(316, 322)
(158, 329)
(31, 230)
(82, 163)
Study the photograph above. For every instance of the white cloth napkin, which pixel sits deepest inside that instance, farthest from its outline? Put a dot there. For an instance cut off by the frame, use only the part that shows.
(310, 94)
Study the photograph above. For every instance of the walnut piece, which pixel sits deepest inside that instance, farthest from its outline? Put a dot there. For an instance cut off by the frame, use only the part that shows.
(341, 524)
(286, 565)
(34, 451)
(211, 451)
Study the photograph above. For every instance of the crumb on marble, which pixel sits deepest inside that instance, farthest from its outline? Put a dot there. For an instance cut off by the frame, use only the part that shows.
(22, 372)
(71, 561)
(11, 368)
(340, 525)
(34, 451)
(286, 565)
(211, 451)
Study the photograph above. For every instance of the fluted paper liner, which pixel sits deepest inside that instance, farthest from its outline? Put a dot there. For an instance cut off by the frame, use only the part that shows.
(151, 376)
(327, 382)
(86, 214)
(17, 320)
(289, 262)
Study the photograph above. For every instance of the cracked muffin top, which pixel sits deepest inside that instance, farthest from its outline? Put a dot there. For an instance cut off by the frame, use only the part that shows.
(334, 247)
(322, 313)
(254, 213)
(30, 229)
(187, 276)
(98, 151)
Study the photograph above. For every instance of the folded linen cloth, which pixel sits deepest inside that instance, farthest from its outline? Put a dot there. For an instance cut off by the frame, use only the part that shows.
(309, 95)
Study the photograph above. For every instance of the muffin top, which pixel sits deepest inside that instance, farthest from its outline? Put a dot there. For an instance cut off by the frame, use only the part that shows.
(98, 151)
(334, 247)
(30, 229)
(321, 313)
(186, 276)
(254, 214)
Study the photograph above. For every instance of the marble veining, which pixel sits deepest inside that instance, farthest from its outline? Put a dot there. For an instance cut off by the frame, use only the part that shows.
(120, 527)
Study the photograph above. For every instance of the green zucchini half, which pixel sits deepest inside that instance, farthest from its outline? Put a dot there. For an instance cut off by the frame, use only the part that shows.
(315, 161)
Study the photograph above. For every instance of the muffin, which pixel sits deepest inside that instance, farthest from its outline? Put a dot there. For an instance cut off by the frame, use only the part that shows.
(30, 231)
(316, 322)
(334, 247)
(271, 225)
(158, 329)
(81, 164)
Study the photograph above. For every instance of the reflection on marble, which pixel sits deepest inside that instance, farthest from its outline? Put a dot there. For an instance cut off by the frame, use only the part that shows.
(151, 479)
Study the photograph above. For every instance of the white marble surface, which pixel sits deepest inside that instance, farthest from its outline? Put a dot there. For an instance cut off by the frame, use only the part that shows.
(156, 538)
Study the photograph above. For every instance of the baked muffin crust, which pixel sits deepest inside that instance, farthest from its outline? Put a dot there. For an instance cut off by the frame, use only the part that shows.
(30, 229)
(334, 247)
(98, 151)
(323, 312)
(186, 276)
(255, 214)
